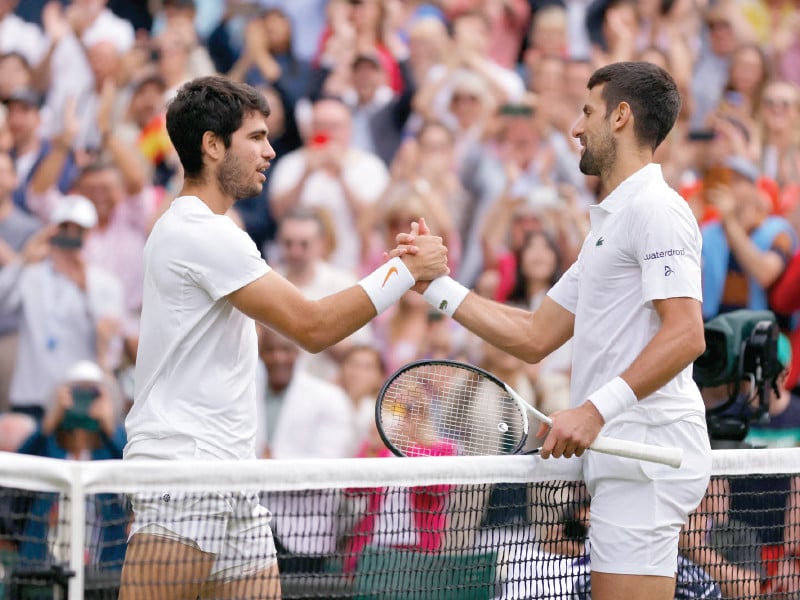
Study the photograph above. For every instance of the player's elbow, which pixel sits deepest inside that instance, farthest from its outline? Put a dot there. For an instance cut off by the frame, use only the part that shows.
(316, 338)
(694, 342)
(532, 356)
(312, 341)
(314, 347)
(532, 351)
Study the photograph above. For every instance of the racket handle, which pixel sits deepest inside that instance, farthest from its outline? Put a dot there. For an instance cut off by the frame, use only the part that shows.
(664, 455)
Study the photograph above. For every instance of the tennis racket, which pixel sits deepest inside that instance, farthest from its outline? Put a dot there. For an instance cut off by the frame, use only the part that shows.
(443, 407)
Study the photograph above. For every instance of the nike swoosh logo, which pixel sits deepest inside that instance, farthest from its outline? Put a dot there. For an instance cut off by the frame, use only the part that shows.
(389, 273)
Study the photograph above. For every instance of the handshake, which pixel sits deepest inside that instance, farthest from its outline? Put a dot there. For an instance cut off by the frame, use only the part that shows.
(418, 262)
(424, 254)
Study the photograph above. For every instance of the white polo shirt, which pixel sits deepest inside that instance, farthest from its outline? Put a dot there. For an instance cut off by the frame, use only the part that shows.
(195, 391)
(644, 245)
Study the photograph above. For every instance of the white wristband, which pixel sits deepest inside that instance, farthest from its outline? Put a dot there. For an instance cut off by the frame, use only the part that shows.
(614, 398)
(445, 294)
(387, 283)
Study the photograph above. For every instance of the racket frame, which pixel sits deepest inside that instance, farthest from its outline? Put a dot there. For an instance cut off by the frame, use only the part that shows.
(461, 366)
(669, 456)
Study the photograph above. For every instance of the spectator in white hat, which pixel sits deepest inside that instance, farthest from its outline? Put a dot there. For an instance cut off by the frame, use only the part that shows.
(68, 310)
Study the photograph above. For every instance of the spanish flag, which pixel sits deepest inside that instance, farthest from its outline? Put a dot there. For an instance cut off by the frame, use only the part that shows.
(154, 141)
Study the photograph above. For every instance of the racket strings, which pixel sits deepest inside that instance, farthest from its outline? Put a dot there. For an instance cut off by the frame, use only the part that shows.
(436, 409)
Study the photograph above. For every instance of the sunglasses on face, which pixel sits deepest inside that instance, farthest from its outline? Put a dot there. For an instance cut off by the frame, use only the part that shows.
(718, 25)
(781, 103)
(302, 244)
(465, 98)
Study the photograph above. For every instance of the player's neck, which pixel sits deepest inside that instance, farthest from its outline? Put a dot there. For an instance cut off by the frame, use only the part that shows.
(624, 167)
(209, 193)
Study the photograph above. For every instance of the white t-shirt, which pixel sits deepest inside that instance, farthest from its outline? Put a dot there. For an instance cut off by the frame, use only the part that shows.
(195, 372)
(644, 245)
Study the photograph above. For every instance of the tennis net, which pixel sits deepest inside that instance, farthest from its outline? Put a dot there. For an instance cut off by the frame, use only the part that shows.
(441, 528)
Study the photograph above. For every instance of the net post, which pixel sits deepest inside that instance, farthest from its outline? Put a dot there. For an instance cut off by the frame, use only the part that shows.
(77, 532)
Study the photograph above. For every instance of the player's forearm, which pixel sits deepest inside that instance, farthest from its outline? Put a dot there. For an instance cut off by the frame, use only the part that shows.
(675, 346)
(318, 324)
(513, 329)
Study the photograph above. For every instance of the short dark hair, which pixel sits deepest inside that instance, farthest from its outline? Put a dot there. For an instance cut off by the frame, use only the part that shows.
(215, 104)
(303, 213)
(96, 165)
(649, 90)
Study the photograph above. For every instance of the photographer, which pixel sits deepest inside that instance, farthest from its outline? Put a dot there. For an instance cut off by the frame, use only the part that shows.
(68, 310)
(81, 423)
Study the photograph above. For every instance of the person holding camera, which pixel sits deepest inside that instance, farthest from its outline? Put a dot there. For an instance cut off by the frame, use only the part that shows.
(81, 423)
(68, 310)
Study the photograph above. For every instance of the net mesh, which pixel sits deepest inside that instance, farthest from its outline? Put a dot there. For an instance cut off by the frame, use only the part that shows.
(420, 528)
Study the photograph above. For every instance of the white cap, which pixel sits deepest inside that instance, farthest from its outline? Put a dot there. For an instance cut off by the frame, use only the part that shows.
(74, 209)
(85, 371)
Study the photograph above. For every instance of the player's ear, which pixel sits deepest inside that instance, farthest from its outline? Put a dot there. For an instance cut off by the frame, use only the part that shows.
(212, 145)
(621, 115)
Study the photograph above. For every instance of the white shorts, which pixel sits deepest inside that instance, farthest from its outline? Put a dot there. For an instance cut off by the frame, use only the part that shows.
(637, 507)
(233, 527)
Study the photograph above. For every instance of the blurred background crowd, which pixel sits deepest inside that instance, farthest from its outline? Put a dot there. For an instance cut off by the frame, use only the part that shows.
(383, 111)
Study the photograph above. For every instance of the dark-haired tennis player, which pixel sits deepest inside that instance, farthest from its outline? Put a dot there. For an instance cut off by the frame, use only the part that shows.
(631, 302)
(205, 283)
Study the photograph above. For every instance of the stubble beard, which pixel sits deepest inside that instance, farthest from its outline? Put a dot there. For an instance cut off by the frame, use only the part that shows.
(234, 181)
(599, 160)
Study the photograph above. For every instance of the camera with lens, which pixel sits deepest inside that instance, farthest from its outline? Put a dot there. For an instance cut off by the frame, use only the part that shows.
(77, 416)
(741, 359)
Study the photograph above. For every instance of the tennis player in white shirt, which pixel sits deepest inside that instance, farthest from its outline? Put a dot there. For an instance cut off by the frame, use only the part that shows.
(631, 302)
(205, 283)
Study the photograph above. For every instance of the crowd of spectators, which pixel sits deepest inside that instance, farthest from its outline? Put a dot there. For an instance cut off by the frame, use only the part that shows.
(383, 111)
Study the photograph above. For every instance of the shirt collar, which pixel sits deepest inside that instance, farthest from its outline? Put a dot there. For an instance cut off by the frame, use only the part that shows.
(628, 188)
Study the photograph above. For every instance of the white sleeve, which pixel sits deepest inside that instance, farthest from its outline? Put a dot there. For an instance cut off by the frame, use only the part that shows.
(666, 241)
(565, 290)
(228, 263)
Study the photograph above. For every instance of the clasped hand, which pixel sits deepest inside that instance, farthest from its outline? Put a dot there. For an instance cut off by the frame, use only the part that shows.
(424, 254)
